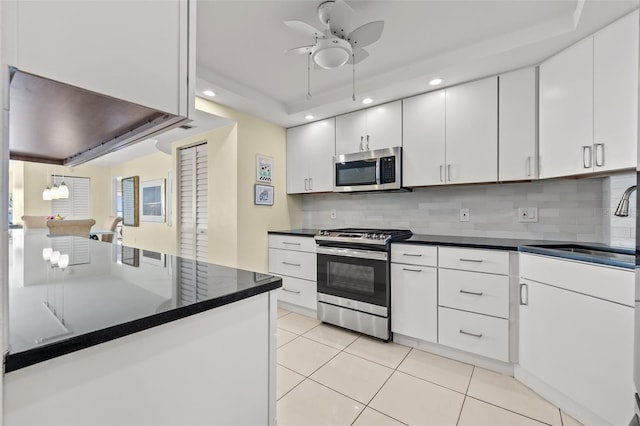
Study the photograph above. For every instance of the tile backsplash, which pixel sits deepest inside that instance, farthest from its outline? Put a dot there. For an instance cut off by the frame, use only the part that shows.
(573, 210)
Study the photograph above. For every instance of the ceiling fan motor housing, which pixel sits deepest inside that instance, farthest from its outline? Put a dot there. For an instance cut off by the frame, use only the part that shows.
(332, 52)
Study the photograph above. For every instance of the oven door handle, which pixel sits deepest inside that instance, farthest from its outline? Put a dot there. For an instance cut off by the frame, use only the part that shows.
(360, 254)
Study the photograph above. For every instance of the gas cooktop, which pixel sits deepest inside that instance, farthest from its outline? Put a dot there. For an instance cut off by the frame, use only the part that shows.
(364, 236)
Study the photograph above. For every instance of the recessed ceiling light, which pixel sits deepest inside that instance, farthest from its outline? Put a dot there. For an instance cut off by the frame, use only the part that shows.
(436, 81)
(309, 117)
(367, 101)
(209, 93)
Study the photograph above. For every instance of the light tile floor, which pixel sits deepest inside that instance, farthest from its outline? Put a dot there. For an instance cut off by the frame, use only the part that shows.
(330, 376)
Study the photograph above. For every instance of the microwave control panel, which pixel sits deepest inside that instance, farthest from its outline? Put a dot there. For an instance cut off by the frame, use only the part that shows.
(387, 169)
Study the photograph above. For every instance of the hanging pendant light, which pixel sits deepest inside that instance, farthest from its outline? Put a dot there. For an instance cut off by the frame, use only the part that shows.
(46, 194)
(55, 192)
(63, 190)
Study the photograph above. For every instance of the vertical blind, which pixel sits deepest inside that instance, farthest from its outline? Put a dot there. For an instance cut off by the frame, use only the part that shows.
(77, 205)
(193, 271)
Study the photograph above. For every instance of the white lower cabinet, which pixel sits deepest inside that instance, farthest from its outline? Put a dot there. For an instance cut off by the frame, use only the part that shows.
(414, 301)
(294, 259)
(481, 334)
(578, 345)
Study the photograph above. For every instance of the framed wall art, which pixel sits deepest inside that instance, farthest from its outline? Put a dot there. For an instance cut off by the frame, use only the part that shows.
(264, 168)
(263, 195)
(152, 194)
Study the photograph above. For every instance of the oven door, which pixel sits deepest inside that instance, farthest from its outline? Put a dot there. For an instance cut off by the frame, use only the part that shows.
(358, 279)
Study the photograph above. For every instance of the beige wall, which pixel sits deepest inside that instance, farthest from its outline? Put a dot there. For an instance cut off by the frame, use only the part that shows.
(34, 176)
(156, 236)
(257, 136)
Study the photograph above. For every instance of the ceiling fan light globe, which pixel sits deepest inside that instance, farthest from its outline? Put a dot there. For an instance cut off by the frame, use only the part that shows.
(331, 53)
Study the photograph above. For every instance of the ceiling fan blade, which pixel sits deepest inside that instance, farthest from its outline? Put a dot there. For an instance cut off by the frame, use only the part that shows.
(341, 19)
(366, 34)
(304, 29)
(298, 50)
(359, 55)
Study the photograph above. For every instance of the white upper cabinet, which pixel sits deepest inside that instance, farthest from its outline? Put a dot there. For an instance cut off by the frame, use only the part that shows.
(373, 128)
(310, 150)
(472, 132)
(588, 103)
(133, 50)
(517, 126)
(423, 144)
(615, 95)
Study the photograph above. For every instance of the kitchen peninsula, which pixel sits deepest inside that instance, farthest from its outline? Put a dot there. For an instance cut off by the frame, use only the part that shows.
(128, 336)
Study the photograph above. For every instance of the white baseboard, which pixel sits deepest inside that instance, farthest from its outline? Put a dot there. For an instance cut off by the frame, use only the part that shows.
(297, 309)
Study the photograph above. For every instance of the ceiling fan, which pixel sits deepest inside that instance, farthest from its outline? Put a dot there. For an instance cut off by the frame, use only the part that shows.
(337, 44)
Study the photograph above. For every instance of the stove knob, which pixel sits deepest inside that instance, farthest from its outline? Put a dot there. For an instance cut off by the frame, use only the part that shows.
(368, 235)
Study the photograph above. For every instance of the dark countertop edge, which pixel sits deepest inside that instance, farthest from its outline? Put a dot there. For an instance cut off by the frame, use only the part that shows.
(577, 256)
(302, 232)
(488, 246)
(13, 362)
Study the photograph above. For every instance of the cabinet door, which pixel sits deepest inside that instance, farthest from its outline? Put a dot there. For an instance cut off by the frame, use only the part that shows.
(297, 159)
(517, 125)
(384, 126)
(566, 112)
(580, 345)
(472, 132)
(615, 92)
(320, 151)
(423, 144)
(414, 301)
(104, 47)
(350, 132)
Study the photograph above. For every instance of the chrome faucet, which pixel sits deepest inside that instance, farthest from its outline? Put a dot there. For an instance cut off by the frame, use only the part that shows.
(623, 206)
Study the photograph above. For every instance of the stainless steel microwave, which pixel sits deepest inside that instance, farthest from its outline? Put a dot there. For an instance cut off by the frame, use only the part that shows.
(377, 170)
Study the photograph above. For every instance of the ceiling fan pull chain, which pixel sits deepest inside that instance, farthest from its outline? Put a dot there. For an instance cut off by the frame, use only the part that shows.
(353, 61)
(309, 76)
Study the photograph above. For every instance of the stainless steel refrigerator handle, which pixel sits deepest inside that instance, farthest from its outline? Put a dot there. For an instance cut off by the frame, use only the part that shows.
(524, 287)
(362, 254)
(601, 146)
(586, 157)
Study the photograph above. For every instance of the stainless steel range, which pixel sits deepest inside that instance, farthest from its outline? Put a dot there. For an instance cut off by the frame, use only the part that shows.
(354, 278)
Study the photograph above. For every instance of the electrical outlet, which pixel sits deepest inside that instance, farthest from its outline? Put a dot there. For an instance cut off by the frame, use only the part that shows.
(334, 214)
(528, 214)
(464, 215)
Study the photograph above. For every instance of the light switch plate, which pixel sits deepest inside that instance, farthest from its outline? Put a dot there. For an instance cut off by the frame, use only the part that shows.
(334, 214)
(464, 215)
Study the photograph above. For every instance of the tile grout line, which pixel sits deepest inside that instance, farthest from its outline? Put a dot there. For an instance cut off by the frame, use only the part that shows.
(461, 408)
(511, 411)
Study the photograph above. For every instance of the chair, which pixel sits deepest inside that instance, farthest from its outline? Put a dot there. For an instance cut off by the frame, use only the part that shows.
(110, 224)
(78, 228)
(30, 222)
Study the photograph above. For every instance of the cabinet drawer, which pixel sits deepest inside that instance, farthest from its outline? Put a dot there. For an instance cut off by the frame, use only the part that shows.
(480, 334)
(298, 292)
(287, 242)
(295, 264)
(475, 292)
(492, 261)
(414, 254)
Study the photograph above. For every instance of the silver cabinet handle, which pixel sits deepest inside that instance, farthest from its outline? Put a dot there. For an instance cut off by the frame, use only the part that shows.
(471, 292)
(310, 184)
(291, 264)
(586, 156)
(290, 291)
(368, 143)
(441, 168)
(524, 294)
(470, 334)
(412, 270)
(361, 143)
(599, 148)
(290, 243)
(529, 159)
(471, 260)
(448, 176)
(412, 254)
(306, 184)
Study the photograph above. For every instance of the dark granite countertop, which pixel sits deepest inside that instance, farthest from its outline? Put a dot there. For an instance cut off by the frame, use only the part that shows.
(303, 232)
(544, 247)
(107, 291)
